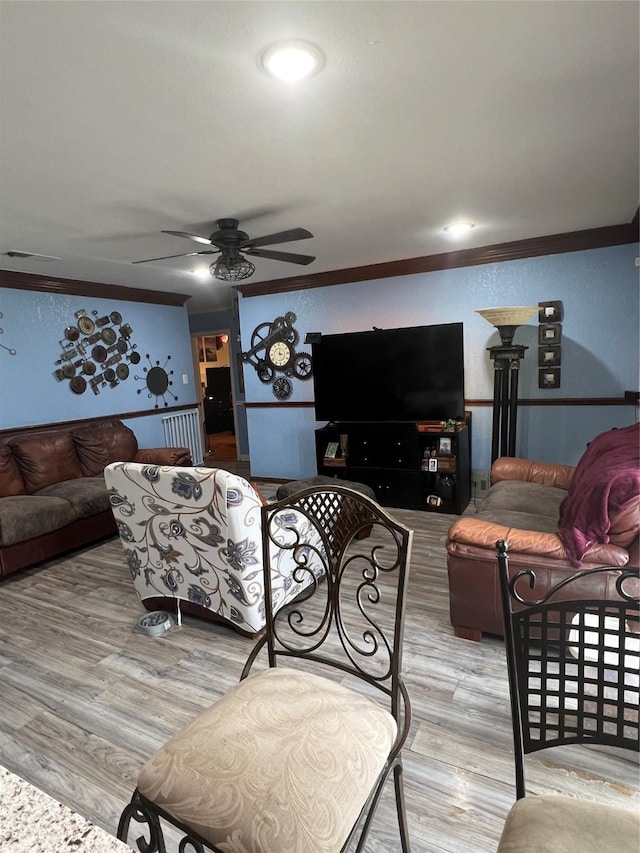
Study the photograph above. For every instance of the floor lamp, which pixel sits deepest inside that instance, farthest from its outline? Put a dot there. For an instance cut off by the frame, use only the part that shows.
(506, 366)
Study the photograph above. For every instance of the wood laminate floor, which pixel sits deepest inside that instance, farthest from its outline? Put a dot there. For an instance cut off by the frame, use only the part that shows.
(84, 700)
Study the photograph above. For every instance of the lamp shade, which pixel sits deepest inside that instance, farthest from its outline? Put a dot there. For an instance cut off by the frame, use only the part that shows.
(507, 320)
(513, 316)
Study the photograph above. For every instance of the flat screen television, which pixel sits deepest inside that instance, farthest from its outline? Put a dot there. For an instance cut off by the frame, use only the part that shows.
(408, 374)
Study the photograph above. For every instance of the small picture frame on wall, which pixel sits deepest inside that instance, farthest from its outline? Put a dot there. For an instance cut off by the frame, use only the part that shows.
(549, 333)
(549, 377)
(210, 349)
(549, 356)
(550, 312)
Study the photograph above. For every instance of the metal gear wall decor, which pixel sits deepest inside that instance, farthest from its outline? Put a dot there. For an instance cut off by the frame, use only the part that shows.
(8, 349)
(157, 381)
(273, 352)
(96, 352)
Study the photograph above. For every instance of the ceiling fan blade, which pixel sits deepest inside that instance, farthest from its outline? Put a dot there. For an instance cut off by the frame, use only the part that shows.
(195, 237)
(280, 237)
(280, 256)
(166, 257)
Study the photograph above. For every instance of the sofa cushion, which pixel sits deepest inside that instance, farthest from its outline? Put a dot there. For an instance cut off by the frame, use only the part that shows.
(88, 495)
(100, 444)
(476, 538)
(522, 497)
(45, 458)
(24, 517)
(531, 471)
(11, 482)
(527, 521)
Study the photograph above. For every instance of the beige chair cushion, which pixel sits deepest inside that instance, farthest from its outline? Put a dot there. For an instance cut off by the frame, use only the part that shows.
(554, 824)
(285, 761)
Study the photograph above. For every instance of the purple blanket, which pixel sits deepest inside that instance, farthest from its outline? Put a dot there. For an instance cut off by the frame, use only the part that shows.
(606, 480)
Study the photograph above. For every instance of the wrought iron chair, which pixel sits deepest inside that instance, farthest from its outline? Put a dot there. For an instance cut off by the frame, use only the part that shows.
(295, 756)
(573, 665)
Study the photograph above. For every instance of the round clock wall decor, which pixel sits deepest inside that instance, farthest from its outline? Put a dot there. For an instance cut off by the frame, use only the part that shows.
(273, 355)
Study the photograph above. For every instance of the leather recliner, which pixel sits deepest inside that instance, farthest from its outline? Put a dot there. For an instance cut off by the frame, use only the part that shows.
(527, 506)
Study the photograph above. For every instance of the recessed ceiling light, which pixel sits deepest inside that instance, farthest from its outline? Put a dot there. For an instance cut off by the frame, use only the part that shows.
(292, 60)
(459, 229)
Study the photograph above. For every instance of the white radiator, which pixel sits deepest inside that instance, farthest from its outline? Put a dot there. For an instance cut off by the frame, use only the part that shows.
(183, 430)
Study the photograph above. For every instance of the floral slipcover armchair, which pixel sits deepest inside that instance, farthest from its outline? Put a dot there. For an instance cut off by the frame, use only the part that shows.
(195, 534)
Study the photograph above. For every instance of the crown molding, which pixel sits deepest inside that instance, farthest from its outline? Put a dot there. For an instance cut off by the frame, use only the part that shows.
(553, 244)
(572, 241)
(78, 287)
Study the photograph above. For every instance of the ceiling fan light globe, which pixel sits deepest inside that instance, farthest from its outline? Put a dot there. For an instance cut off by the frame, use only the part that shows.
(232, 269)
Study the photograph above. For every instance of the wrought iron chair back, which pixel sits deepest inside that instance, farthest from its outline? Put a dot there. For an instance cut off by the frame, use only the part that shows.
(573, 661)
(350, 618)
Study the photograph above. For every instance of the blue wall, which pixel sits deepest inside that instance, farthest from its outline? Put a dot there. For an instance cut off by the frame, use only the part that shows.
(33, 323)
(599, 290)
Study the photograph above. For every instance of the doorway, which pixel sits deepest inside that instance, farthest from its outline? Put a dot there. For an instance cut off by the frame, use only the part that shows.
(213, 361)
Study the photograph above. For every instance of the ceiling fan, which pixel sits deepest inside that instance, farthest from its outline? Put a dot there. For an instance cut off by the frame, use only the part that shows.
(232, 244)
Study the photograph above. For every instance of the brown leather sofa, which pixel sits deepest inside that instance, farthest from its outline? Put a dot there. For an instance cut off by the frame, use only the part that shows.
(53, 496)
(525, 507)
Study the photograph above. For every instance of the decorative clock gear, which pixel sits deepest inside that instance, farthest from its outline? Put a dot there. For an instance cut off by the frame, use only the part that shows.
(266, 373)
(260, 334)
(290, 334)
(8, 349)
(273, 350)
(302, 366)
(157, 381)
(282, 388)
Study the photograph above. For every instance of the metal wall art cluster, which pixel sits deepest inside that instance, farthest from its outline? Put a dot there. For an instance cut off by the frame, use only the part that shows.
(96, 352)
(550, 316)
(274, 357)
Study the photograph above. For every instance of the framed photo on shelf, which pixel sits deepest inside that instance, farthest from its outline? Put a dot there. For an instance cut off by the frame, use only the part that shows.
(444, 445)
(332, 450)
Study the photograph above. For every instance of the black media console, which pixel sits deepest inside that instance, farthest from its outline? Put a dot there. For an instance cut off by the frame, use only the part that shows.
(412, 465)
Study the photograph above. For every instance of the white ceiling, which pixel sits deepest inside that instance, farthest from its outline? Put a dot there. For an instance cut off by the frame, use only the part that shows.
(120, 119)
